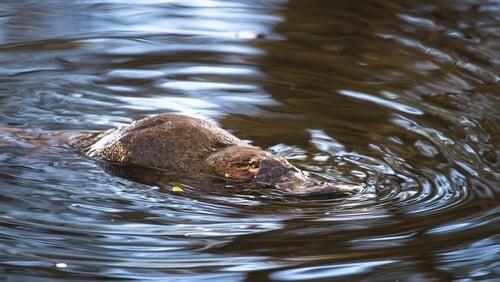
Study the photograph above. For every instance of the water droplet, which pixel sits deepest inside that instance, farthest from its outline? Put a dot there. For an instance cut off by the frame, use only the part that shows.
(61, 265)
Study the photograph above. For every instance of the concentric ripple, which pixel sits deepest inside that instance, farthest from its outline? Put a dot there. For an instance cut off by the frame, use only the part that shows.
(396, 99)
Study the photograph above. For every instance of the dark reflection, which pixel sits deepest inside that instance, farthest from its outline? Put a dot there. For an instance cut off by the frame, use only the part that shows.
(167, 180)
(205, 183)
(398, 98)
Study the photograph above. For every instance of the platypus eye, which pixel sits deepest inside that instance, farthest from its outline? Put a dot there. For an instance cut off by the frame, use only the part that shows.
(254, 165)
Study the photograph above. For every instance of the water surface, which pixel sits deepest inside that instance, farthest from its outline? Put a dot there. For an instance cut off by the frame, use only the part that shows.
(398, 98)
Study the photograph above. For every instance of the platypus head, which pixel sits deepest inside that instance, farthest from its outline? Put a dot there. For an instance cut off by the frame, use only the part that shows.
(252, 164)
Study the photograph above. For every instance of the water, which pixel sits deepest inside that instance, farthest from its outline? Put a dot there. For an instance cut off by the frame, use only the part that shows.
(400, 98)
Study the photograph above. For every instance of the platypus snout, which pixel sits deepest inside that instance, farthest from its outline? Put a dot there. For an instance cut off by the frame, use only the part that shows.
(299, 183)
(276, 171)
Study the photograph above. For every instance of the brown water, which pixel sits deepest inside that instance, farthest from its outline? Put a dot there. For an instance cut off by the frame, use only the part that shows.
(398, 97)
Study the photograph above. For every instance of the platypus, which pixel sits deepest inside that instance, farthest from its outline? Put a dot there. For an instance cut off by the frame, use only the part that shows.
(189, 146)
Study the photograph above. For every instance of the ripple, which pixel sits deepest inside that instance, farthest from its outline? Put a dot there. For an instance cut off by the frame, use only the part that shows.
(328, 271)
(397, 100)
(380, 101)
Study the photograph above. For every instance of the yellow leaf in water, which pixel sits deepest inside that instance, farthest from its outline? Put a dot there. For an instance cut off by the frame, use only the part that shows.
(177, 189)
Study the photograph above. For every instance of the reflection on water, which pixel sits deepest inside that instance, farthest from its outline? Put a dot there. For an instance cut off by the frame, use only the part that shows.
(398, 98)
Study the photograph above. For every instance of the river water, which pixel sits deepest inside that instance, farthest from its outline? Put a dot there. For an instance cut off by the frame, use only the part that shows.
(400, 98)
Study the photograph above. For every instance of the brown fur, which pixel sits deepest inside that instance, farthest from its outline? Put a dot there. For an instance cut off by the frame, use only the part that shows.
(184, 145)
